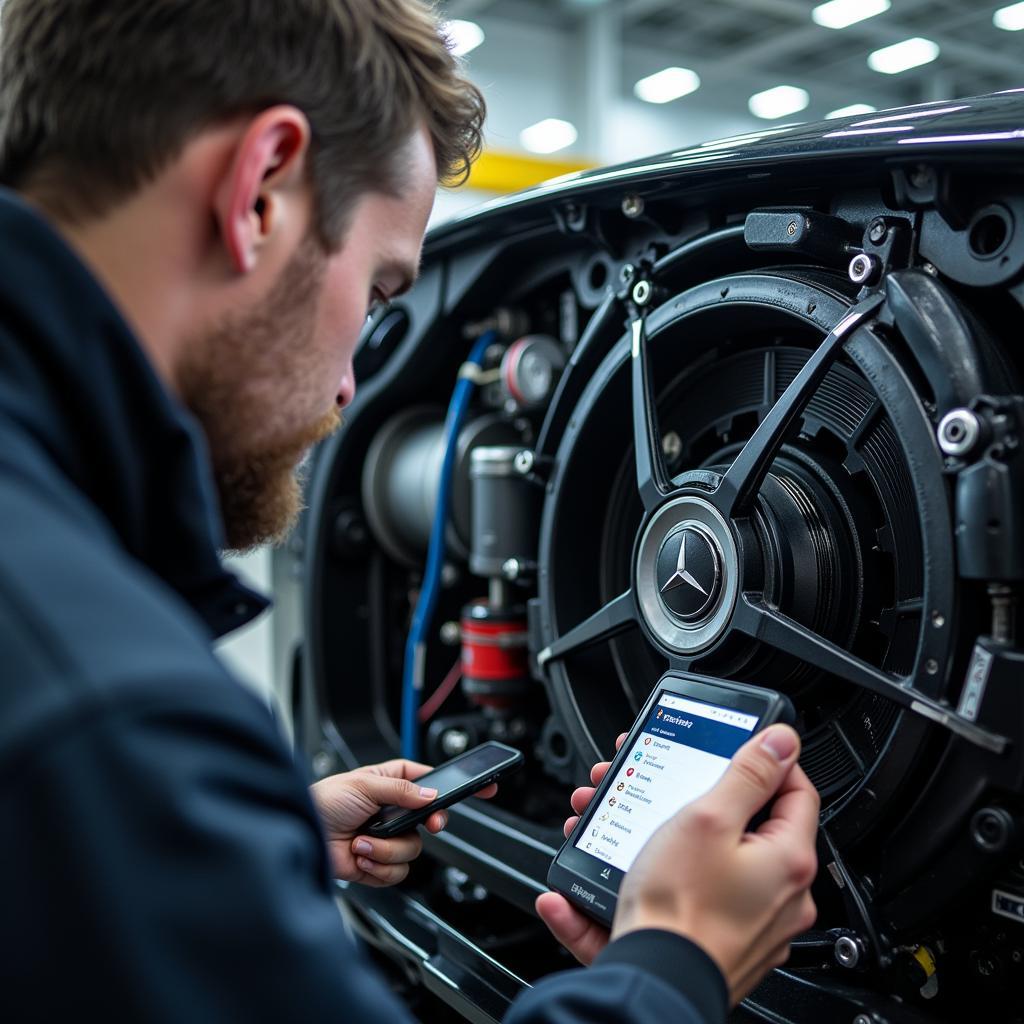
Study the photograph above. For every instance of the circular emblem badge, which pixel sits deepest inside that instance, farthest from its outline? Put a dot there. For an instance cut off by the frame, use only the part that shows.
(688, 574)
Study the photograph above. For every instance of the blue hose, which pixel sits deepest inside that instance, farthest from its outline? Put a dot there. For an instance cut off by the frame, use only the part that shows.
(416, 644)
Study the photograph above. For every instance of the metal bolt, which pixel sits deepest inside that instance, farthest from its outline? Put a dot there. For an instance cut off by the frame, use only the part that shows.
(626, 273)
(632, 205)
(848, 951)
(791, 228)
(959, 432)
(672, 446)
(931, 666)
(454, 741)
(862, 1018)
(642, 293)
(938, 620)
(864, 269)
(511, 568)
(524, 461)
(877, 231)
(451, 633)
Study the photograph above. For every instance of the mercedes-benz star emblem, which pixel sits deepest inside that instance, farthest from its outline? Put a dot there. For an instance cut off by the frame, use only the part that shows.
(688, 573)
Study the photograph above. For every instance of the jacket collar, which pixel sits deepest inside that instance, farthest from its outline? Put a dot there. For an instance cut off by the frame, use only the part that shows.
(74, 376)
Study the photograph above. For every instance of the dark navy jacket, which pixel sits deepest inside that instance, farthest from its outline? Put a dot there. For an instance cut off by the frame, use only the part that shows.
(160, 858)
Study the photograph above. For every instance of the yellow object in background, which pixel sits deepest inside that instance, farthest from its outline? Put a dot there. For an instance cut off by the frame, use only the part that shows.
(509, 172)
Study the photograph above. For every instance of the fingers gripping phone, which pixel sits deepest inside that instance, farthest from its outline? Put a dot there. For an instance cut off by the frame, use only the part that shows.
(676, 750)
(456, 779)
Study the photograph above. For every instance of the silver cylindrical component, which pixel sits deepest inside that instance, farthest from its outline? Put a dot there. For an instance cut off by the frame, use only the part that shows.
(506, 514)
(402, 473)
(864, 268)
(959, 431)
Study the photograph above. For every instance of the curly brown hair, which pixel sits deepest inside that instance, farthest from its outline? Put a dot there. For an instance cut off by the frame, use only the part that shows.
(98, 96)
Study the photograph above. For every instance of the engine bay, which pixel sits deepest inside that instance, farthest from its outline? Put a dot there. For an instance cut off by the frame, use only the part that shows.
(822, 383)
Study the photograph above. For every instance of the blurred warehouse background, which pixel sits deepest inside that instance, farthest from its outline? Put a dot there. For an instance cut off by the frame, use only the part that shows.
(572, 84)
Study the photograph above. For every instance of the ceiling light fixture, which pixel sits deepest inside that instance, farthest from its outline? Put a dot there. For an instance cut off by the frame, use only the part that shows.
(548, 136)
(778, 102)
(851, 110)
(842, 13)
(667, 85)
(1009, 18)
(911, 53)
(463, 36)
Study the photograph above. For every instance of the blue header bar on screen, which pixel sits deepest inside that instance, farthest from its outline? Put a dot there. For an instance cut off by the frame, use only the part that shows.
(686, 722)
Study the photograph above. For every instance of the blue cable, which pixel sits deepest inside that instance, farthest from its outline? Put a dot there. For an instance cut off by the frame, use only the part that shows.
(416, 643)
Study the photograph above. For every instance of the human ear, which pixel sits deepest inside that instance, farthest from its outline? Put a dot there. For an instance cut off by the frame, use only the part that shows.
(267, 164)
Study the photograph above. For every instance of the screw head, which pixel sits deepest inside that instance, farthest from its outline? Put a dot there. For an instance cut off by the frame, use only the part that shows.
(958, 433)
(451, 633)
(523, 461)
(672, 446)
(511, 568)
(877, 230)
(792, 228)
(632, 205)
(863, 269)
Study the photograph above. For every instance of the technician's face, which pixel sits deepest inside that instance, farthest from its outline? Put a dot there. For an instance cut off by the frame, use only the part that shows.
(272, 380)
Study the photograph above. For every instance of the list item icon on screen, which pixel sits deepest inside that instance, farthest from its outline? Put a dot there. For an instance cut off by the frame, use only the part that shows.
(647, 741)
(621, 786)
(629, 771)
(638, 755)
(611, 801)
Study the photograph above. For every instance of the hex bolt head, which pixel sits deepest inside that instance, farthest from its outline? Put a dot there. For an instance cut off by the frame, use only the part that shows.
(848, 951)
(632, 205)
(524, 462)
(958, 433)
(864, 269)
(877, 231)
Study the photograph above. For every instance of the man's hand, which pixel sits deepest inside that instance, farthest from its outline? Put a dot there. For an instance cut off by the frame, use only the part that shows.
(580, 935)
(347, 801)
(741, 896)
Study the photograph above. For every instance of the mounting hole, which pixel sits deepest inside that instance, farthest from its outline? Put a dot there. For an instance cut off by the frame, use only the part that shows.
(598, 276)
(989, 232)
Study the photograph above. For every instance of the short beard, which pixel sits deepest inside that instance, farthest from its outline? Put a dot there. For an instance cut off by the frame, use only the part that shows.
(242, 380)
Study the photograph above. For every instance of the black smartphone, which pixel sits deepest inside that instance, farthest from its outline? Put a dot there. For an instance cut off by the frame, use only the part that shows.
(454, 780)
(676, 750)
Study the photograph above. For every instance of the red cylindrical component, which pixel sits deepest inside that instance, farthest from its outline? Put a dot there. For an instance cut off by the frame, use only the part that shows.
(495, 665)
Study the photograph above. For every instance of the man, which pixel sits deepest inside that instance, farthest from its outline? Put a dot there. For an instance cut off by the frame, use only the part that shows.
(205, 197)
